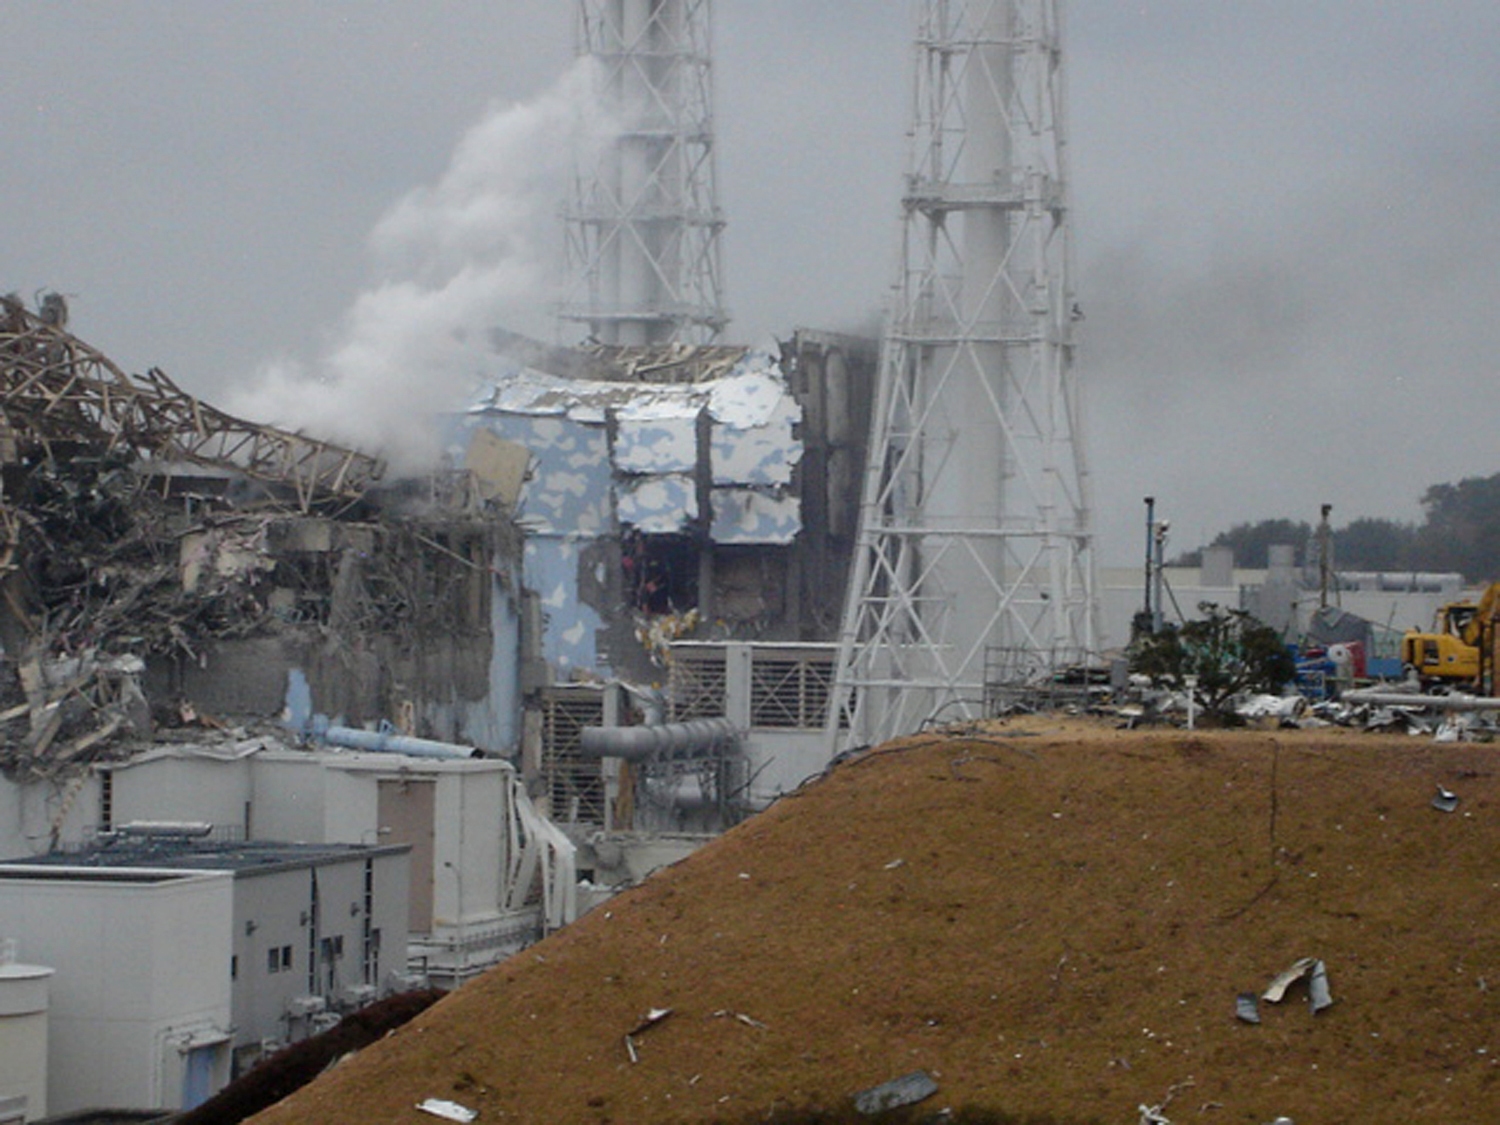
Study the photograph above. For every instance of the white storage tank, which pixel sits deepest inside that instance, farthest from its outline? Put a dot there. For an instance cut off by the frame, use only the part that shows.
(23, 1034)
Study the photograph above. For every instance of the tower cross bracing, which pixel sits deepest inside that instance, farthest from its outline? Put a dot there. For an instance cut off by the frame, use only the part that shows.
(975, 547)
(642, 257)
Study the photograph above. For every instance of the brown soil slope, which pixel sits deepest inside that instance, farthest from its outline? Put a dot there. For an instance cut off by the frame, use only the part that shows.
(1057, 923)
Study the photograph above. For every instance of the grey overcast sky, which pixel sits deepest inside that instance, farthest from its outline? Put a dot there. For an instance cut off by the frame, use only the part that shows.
(1287, 212)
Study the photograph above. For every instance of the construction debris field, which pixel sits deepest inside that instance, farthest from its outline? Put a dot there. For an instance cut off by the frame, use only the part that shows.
(1047, 917)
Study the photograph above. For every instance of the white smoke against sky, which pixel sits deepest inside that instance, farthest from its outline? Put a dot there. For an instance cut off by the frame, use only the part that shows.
(455, 260)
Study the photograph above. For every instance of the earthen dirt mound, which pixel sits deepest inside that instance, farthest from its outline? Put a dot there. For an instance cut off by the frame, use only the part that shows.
(1044, 920)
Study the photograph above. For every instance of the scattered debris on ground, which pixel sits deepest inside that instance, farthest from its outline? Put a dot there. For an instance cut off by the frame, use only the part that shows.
(909, 1089)
(1067, 935)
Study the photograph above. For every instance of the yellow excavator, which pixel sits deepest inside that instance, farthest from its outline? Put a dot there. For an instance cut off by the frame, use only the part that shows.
(1461, 647)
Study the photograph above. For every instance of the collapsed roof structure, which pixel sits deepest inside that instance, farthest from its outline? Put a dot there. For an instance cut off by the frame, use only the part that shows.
(163, 561)
(59, 391)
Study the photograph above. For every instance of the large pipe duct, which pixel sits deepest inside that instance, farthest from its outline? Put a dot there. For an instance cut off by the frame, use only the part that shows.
(1430, 702)
(690, 739)
(389, 742)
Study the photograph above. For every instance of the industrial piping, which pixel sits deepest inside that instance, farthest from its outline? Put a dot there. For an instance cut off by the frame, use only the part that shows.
(690, 739)
(386, 741)
(1431, 702)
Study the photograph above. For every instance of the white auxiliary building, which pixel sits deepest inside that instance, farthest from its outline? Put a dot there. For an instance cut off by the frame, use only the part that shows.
(180, 961)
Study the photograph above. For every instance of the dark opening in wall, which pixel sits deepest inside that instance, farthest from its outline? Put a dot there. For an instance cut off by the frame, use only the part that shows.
(661, 572)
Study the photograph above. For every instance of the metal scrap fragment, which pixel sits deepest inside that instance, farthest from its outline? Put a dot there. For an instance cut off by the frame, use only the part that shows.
(1156, 1114)
(448, 1111)
(1445, 801)
(748, 1021)
(1318, 996)
(909, 1089)
(1246, 1008)
(1316, 973)
(648, 1021)
(1285, 979)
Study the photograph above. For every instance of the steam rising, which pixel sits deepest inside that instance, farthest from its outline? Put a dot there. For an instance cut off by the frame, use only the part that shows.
(455, 259)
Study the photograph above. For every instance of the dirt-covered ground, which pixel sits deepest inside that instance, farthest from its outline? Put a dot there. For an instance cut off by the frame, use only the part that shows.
(1046, 918)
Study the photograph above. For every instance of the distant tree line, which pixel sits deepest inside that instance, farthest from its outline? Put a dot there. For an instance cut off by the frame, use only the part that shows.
(1460, 531)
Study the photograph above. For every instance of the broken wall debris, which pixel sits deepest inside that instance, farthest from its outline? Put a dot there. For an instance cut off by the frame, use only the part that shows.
(163, 562)
(667, 480)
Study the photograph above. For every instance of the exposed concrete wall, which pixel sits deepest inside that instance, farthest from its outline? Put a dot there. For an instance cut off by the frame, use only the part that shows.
(238, 677)
(465, 688)
(833, 377)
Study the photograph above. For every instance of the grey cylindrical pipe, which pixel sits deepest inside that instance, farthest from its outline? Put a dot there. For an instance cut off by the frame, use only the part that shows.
(687, 739)
(1431, 702)
(386, 742)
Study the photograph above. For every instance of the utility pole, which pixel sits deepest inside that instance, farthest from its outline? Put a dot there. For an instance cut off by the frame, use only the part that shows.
(1146, 620)
(1325, 557)
(642, 230)
(975, 548)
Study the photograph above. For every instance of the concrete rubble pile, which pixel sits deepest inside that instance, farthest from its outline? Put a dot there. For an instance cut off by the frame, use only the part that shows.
(140, 527)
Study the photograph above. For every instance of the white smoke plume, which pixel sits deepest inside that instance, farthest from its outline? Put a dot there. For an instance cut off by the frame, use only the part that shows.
(455, 259)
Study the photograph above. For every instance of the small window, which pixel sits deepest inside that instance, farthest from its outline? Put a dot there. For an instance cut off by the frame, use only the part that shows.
(286, 956)
(273, 960)
(234, 967)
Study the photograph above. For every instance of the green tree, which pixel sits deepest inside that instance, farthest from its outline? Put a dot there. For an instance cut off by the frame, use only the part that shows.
(1375, 544)
(1462, 528)
(1229, 652)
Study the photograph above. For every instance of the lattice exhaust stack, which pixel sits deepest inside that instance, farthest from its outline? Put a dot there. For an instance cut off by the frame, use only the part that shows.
(642, 258)
(975, 544)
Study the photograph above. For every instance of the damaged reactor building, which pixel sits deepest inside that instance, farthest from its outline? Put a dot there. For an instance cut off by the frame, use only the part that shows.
(223, 635)
(168, 567)
(316, 734)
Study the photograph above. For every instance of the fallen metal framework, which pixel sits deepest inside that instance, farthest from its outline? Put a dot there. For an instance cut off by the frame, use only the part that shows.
(140, 529)
(55, 389)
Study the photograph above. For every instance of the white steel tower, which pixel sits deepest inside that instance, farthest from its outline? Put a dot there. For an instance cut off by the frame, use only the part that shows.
(642, 257)
(974, 562)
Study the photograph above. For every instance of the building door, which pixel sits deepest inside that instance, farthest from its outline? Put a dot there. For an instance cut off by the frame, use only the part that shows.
(198, 1075)
(405, 811)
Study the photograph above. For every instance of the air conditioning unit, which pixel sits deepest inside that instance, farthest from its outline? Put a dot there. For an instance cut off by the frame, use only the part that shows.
(323, 1021)
(406, 982)
(358, 995)
(300, 1007)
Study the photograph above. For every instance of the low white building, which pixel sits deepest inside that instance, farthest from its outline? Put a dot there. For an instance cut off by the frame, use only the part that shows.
(141, 1001)
(180, 961)
(476, 844)
(1283, 596)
